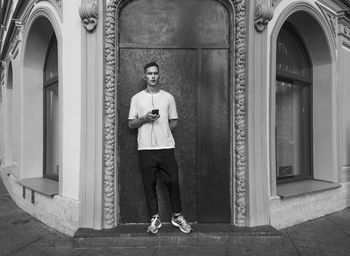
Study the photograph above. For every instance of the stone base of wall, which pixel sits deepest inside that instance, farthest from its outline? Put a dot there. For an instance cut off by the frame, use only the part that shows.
(291, 211)
(59, 213)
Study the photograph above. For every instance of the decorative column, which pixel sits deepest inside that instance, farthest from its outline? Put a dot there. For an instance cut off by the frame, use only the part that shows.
(92, 172)
(260, 13)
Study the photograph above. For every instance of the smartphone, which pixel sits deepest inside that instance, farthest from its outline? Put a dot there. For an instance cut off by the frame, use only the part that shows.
(155, 112)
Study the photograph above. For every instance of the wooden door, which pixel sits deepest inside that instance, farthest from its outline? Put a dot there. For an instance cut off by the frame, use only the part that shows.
(189, 39)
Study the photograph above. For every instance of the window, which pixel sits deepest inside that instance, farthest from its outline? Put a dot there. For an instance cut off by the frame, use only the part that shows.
(51, 113)
(293, 107)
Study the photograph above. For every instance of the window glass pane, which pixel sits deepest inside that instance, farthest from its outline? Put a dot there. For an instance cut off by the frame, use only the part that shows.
(293, 147)
(291, 54)
(52, 132)
(51, 65)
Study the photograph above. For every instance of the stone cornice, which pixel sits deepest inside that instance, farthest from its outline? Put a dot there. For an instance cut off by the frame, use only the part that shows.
(343, 3)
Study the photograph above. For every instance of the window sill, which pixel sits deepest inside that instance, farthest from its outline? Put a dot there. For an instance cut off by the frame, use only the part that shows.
(304, 187)
(41, 185)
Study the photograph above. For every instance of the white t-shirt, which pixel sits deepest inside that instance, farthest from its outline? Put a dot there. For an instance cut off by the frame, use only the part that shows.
(155, 135)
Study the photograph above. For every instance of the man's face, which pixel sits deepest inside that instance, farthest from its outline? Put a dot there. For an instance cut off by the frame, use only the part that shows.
(152, 76)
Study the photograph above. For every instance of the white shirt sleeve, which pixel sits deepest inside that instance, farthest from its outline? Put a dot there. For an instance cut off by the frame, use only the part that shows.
(172, 109)
(133, 109)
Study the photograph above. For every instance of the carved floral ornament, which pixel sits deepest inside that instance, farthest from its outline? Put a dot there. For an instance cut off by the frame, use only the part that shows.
(88, 12)
(263, 14)
(18, 34)
(110, 103)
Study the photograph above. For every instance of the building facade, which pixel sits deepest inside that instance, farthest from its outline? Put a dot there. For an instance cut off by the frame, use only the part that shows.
(261, 89)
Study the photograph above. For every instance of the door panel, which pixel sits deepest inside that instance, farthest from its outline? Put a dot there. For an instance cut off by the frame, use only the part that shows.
(189, 40)
(175, 22)
(213, 150)
(178, 77)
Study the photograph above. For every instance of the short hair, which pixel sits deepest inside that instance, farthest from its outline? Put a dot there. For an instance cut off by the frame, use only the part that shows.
(151, 64)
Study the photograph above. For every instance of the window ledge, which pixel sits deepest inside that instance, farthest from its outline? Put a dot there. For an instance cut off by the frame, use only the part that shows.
(304, 187)
(41, 185)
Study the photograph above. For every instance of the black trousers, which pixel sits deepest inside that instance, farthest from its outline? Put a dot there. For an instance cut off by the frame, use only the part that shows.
(162, 161)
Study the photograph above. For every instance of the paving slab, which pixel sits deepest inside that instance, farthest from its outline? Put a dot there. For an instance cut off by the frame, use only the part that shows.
(261, 251)
(191, 251)
(321, 233)
(116, 252)
(23, 235)
(324, 251)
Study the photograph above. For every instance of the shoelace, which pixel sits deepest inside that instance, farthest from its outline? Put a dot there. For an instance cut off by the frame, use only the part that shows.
(181, 220)
(155, 221)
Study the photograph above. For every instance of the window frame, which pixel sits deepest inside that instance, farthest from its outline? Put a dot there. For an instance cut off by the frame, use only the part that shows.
(46, 85)
(284, 76)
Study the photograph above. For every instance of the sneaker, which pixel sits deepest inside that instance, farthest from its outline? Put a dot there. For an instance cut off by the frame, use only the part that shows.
(181, 223)
(155, 225)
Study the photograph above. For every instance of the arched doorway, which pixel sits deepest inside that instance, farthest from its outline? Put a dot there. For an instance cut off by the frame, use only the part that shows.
(190, 41)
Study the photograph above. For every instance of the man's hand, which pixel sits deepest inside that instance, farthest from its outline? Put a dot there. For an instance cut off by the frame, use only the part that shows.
(149, 117)
(138, 122)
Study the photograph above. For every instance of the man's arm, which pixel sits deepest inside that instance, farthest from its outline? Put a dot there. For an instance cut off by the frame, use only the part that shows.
(172, 124)
(138, 122)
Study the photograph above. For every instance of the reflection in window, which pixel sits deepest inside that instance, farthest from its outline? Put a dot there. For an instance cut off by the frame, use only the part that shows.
(51, 66)
(293, 107)
(51, 113)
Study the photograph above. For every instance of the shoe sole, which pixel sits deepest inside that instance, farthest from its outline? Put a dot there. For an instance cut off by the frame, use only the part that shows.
(156, 231)
(178, 226)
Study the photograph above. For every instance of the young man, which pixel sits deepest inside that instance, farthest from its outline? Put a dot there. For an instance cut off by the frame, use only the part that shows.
(153, 112)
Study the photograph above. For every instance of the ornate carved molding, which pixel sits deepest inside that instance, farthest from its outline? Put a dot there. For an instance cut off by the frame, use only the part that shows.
(331, 18)
(240, 113)
(275, 3)
(263, 14)
(17, 38)
(3, 66)
(88, 12)
(110, 114)
(344, 23)
(240, 103)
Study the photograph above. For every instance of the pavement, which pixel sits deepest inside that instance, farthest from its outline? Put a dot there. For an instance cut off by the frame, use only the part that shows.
(23, 235)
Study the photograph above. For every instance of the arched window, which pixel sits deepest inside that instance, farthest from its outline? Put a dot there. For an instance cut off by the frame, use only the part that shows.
(51, 112)
(293, 107)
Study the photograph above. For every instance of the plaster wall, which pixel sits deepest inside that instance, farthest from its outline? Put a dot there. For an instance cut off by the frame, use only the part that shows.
(345, 78)
(2, 135)
(4, 125)
(9, 122)
(32, 126)
(60, 213)
(16, 118)
(289, 212)
(70, 80)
